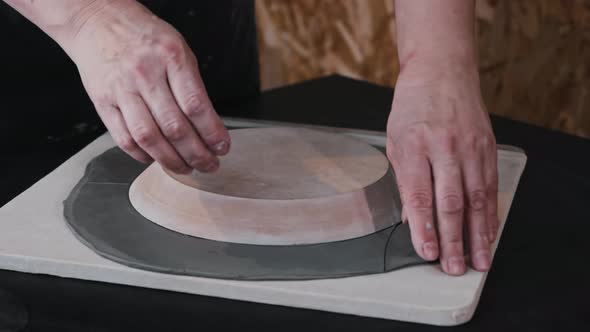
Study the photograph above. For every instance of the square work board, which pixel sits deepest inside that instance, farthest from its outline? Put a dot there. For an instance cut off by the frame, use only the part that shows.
(36, 239)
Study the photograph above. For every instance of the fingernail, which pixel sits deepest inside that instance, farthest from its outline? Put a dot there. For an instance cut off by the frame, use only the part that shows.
(430, 250)
(492, 236)
(482, 260)
(221, 148)
(485, 238)
(456, 265)
(211, 167)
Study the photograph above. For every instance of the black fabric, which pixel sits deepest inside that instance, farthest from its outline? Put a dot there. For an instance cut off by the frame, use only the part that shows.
(13, 314)
(44, 88)
(540, 279)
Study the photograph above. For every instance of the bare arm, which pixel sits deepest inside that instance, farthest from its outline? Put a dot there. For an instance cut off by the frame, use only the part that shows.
(440, 139)
(141, 76)
(436, 31)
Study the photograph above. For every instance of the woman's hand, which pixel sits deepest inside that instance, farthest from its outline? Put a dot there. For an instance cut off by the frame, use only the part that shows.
(443, 150)
(145, 84)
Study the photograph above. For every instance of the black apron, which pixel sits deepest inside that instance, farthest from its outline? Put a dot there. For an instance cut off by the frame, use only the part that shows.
(41, 94)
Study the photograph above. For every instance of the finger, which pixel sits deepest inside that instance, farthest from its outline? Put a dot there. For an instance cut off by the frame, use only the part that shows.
(189, 91)
(113, 120)
(448, 187)
(146, 134)
(491, 180)
(403, 215)
(400, 189)
(415, 178)
(177, 129)
(476, 212)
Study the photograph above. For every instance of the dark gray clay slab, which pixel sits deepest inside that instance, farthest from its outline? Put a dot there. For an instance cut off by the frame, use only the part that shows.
(99, 213)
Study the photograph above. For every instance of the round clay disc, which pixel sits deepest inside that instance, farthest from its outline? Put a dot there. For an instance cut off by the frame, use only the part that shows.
(277, 186)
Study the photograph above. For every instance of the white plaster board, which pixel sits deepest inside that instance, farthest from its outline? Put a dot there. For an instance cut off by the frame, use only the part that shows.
(35, 239)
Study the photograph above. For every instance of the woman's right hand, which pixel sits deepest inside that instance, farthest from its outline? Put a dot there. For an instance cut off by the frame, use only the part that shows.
(145, 84)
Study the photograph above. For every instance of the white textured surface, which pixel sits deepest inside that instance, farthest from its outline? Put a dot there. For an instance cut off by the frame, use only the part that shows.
(35, 239)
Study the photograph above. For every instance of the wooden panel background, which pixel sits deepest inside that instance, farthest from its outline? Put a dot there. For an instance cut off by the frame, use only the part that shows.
(534, 54)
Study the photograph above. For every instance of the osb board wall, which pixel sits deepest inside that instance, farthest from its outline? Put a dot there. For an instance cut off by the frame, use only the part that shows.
(534, 55)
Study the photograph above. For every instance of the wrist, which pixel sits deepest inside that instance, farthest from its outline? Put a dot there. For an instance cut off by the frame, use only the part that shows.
(87, 22)
(428, 68)
(66, 28)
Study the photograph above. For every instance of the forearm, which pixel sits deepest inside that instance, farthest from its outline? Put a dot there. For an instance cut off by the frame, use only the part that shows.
(60, 19)
(436, 32)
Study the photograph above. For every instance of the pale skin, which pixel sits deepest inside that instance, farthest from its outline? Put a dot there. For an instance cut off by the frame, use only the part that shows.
(145, 84)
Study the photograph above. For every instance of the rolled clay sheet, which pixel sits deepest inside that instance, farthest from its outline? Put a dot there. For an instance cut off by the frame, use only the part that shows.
(99, 212)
